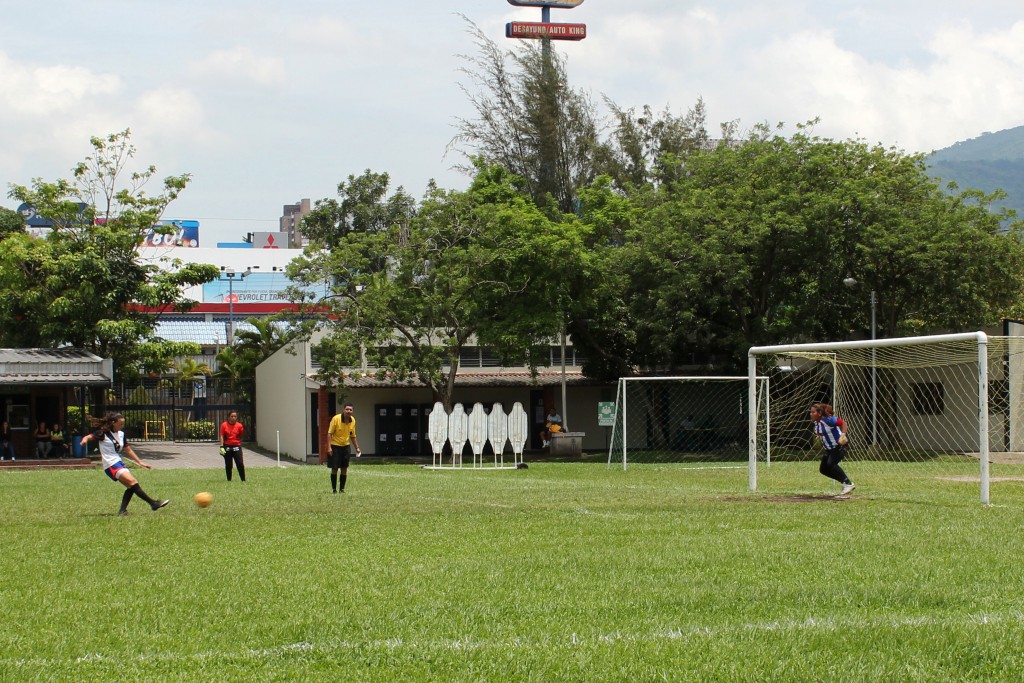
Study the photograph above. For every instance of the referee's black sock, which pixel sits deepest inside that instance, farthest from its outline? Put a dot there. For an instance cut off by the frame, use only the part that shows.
(344, 478)
(142, 494)
(126, 498)
(334, 482)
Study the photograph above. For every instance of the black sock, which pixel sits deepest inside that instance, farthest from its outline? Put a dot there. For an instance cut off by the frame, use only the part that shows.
(126, 498)
(334, 481)
(344, 478)
(142, 494)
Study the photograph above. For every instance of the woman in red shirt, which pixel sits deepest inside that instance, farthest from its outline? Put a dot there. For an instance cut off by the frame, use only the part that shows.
(231, 444)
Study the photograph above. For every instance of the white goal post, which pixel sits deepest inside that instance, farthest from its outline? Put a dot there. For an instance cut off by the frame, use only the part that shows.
(699, 421)
(917, 406)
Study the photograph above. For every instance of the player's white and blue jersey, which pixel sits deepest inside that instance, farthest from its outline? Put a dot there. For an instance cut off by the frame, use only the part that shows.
(827, 428)
(110, 444)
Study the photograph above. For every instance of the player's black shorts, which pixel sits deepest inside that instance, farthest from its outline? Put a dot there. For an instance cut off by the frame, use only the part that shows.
(339, 457)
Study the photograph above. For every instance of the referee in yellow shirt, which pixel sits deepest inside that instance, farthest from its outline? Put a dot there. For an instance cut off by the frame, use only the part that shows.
(342, 433)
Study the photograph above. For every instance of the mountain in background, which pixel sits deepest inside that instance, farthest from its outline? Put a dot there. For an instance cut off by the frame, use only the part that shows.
(988, 162)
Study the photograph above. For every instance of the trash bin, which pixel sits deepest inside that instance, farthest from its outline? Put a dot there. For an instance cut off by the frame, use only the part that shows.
(76, 446)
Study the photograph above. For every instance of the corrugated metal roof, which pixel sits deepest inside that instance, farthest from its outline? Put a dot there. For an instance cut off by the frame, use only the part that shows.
(203, 332)
(53, 366)
(198, 331)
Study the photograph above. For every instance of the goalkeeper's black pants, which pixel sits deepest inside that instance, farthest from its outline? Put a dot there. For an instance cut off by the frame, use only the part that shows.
(830, 464)
(234, 453)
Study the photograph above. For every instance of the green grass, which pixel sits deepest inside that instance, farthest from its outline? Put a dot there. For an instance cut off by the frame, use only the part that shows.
(563, 572)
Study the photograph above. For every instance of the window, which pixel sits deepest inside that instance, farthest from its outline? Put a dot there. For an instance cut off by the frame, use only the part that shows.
(929, 398)
(469, 357)
(572, 358)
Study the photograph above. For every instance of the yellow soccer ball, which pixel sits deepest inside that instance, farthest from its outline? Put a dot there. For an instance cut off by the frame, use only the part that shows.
(203, 499)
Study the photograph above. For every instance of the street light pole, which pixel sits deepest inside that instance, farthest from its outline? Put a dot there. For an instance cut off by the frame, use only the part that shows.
(230, 272)
(231, 307)
(565, 408)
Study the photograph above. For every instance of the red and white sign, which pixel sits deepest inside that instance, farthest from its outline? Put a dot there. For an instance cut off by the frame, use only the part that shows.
(269, 240)
(537, 29)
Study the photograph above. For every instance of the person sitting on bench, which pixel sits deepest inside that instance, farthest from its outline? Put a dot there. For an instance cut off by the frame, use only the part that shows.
(552, 425)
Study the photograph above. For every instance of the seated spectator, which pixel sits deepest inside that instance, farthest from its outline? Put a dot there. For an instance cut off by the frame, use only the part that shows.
(42, 437)
(6, 442)
(552, 425)
(58, 446)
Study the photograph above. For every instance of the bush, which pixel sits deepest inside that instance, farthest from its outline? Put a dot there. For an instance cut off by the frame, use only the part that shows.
(200, 430)
(74, 425)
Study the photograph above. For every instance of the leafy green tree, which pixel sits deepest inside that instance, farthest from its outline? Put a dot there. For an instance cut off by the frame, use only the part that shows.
(262, 338)
(188, 369)
(480, 267)
(751, 244)
(11, 222)
(82, 284)
(529, 120)
(650, 148)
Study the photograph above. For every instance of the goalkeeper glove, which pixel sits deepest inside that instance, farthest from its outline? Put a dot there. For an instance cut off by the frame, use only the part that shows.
(223, 450)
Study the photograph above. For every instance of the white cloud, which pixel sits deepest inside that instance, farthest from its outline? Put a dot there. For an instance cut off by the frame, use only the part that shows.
(27, 89)
(239, 64)
(969, 79)
(957, 83)
(171, 113)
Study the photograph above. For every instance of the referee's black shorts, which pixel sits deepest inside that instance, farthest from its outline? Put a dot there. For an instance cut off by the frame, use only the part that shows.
(339, 457)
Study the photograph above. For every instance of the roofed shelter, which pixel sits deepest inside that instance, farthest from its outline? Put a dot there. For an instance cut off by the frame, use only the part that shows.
(38, 385)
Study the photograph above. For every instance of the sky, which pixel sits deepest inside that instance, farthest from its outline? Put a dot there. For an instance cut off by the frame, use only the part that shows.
(265, 103)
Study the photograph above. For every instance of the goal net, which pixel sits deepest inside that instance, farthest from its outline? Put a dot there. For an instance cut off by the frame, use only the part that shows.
(700, 421)
(923, 414)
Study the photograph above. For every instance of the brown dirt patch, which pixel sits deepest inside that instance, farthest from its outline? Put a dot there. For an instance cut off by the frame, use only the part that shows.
(803, 498)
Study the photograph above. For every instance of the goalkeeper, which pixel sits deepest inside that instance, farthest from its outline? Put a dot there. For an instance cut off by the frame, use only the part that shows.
(231, 444)
(832, 432)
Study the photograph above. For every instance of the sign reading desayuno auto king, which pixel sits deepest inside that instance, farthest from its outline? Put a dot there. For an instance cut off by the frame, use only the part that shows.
(561, 4)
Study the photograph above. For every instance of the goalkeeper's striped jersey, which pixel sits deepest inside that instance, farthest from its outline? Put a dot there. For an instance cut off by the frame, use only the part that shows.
(827, 428)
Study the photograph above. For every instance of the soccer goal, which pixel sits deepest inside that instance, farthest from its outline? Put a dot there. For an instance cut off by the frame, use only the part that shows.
(946, 408)
(699, 421)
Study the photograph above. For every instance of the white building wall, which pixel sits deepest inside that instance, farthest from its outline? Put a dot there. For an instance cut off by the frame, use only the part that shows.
(282, 403)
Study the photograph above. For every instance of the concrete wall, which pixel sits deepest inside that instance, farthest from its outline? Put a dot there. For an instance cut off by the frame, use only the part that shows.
(282, 402)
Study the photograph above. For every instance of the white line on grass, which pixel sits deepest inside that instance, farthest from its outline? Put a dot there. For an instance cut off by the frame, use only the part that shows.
(810, 624)
(469, 503)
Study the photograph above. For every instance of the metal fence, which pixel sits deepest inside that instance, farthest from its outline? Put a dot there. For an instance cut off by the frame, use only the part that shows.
(171, 409)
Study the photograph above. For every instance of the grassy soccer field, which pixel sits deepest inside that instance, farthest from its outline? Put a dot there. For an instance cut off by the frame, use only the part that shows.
(563, 572)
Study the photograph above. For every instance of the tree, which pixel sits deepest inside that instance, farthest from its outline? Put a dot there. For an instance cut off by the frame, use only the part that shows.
(648, 149)
(484, 266)
(82, 284)
(188, 369)
(751, 244)
(11, 222)
(529, 120)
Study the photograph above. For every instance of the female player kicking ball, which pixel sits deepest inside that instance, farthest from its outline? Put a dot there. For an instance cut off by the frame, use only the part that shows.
(833, 438)
(112, 442)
